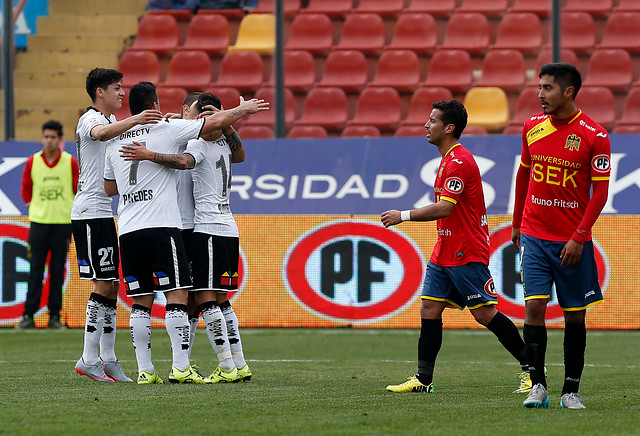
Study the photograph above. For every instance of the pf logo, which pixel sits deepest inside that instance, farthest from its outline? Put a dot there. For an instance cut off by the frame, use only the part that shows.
(159, 303)
(454, 185)
(355, 272)
(504, 264)
(601, 163)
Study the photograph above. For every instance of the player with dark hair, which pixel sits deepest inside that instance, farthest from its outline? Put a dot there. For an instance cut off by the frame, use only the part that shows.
(458, 273)
(565, 154)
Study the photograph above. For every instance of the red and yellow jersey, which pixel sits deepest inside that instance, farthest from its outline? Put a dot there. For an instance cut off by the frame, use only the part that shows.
(564, 159)
(463, 236)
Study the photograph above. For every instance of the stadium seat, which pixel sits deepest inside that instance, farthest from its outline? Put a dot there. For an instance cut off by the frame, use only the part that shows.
(364, 32)
(450, 69)
(346, 69)
(414, 31)
(257, 33)
(268, 118)
(629, 129)
(178, 14)
(399, 69)
(627, 6)
(242, 70)
(631, 111)
(487, 107)
(256, 132)
(545, 56)
(467, 31)
(333, 8)
(325, 107)
(410, 131)
(360, 131)
(290, 7)
(540, 8)
(139, 66)
(299, 71)
(311, 32)
(231, 14)
(611, 68)
(622, 30)
(504, 69)
(578, 32)
(475, 130)
(598, 102)
(385, 8)
(379, 107)
(597, 8)
(209, 33)
(527, 105)
(437, 8)
(189, 69)
(171, 99)
(157, 33)
(520, 31)
(308, 132)
(490, 8)
(421, 102)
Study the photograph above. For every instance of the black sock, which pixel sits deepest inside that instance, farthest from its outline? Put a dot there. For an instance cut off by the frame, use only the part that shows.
(575, 342)
(428, 347)
(508, 335)
(535, 339)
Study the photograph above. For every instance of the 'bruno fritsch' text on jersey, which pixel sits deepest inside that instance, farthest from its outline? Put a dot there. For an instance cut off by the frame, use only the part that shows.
(147, 190)
(563, 160)
(463, 236)
(211, 187)
(91, 201)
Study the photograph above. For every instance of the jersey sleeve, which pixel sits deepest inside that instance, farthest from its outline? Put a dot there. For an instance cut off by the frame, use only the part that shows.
(194, 148)
(601, 157)
(455, 178)
(525, 158)
(109, 173)
(89, 123)
(26, 189)
(185, 130)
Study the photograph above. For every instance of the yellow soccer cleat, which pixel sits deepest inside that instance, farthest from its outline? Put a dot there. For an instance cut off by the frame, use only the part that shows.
(411, 385)
(525, 382)
(244, 373)
(146, 378)
(189, 375)
(222, 376)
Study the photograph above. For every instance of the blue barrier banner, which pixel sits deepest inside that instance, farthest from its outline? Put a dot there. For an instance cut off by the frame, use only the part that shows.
(359, 176)
(27, 20)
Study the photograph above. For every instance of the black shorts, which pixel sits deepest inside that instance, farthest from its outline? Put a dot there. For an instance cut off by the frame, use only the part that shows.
(97, 248)
(187, 238)
(154, 260)
(215, 262)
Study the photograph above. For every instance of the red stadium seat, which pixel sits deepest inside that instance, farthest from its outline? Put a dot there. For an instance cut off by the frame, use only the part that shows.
(333, 8)
(209, 33)
(545, 56)
(599, 104)
(475, 130)
(415, 131)
(622, 30)
(311, 32)
(627, 6)
(256, 132)
(415, 31)
(450, 69)
(231, 14)
(386, 8)
(467, 31)
(399, 69)
(268, 118)
(490, 8)
(308, 132)
(171, 99)
(346, 69)
(520, 31)
(379, 107)
(597, 8)
(504, 69)
(631, 112)
(189, 69)
(540, 8)
(325, 107)
(290, 7)
(360, 131)
(629, 129)
(299, 71)
(437, 8)
(139, 66)
(421, 102)
(242, 70)
(364, 32)
(578, 32)
(528, 104)
(157, 33)
(611, 68)
(178, 14)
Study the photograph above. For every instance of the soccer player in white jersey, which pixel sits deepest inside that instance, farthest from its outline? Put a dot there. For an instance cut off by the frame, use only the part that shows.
(94, 230)
(153, 257)
(215, 237)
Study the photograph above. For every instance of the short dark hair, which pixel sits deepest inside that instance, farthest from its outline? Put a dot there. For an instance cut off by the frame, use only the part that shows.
(101, 78)
(453, 112)
(208, 99)
(189, 99)
(53, 125)
(564, 74)
(142, 96)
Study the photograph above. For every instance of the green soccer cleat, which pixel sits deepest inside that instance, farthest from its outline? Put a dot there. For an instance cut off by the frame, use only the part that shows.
(525, 382)
(189, 375)
(222, 376)
(411, 385)
(244, 373)
(146, 378)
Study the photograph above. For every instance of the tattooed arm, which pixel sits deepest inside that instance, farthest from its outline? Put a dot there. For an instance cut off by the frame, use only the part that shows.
(140, 152)
(226, 118)
(235, 144)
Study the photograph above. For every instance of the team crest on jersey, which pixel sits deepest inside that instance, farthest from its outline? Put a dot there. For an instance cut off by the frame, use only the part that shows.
(573, 143)
(490, 288)
(601, 163)
(454, 185)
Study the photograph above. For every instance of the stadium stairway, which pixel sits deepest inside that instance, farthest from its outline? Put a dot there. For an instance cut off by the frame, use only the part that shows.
(73, 39)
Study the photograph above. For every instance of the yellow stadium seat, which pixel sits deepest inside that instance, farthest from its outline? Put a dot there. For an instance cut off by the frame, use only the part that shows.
(487, 107)
(257, 33)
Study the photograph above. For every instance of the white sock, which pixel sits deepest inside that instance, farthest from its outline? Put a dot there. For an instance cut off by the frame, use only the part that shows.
(176, 321)
(140, 325)
(108, 338)
(217, 333)
(193, 326)
(92, 331)
(233, 333)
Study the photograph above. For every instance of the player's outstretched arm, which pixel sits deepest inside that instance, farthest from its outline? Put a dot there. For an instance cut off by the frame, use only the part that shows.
(140, 152)
(432, 212)
(109, 131)
(226, 118)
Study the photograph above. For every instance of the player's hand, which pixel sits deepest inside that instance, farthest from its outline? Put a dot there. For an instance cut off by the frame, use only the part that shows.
(208, 110)
(172, 116)
(515, 238)
(571, 253)
(390, 217)
(149, 116)
(254, 105)
(135, 152)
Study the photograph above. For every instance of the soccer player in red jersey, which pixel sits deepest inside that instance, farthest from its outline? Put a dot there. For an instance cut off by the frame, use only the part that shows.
(565, 154)
(458, 273)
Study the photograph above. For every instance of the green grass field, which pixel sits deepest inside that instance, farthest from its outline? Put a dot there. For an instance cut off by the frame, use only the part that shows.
(316, 381)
